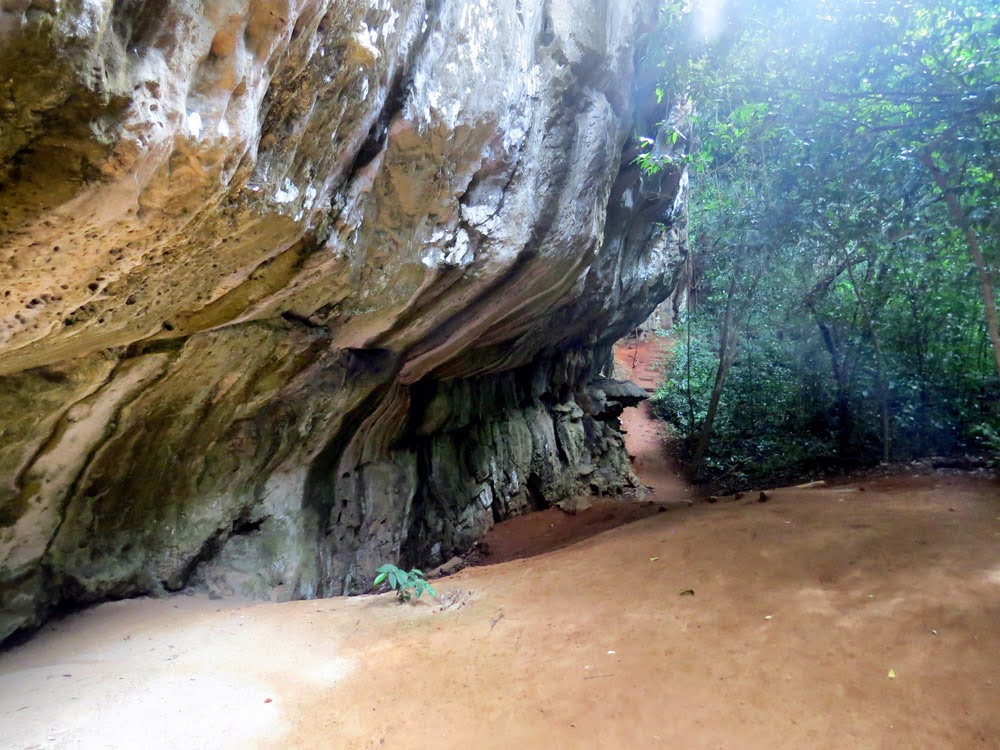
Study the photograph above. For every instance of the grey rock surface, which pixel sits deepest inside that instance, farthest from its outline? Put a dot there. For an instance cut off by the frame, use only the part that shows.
(290, 290)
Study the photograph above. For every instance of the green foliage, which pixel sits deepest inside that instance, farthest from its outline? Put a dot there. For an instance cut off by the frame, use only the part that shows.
(989, 437)
(827, 138)
(779, 419)
(405, 584)
(772, 421)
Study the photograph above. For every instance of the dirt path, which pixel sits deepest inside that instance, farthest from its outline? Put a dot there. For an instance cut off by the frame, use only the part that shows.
(552, 529)
(800, 608)
(640, 362)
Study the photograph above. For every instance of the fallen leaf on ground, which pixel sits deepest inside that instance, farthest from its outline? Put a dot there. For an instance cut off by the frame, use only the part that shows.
(892, 674)
(687, 592)
(653, 559)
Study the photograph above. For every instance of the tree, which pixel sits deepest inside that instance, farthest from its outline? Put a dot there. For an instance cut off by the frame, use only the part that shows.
(849, 149)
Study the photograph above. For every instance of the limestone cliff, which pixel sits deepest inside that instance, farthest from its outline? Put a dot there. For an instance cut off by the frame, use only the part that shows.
(291, 288)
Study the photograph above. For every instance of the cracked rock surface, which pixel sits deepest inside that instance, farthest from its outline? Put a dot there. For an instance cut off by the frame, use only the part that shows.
(289, 289)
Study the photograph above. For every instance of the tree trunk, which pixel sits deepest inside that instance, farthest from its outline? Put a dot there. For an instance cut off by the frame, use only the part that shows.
(883, 380)
(687, 367)
(845, 421)
(726, 359)
(838, 362)
(986, 285)
(725, 362)
(728, 342)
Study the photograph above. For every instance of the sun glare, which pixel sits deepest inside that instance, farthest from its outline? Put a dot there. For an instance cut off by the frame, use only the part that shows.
(709, 18)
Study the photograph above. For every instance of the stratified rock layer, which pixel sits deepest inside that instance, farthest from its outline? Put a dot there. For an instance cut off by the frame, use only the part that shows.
(292, 289)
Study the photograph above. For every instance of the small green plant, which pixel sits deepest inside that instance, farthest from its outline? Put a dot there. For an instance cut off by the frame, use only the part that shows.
(404, 584)
(989, 437)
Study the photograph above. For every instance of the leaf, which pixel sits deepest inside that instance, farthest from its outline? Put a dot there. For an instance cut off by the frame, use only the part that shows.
(430, 590)
(393, 582)
(386, 568)
(415, 572)
(687, 592)
(379, 578)
(653, 559)
(892, 674)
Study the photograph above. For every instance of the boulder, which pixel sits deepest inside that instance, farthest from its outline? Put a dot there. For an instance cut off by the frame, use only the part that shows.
(291, 290)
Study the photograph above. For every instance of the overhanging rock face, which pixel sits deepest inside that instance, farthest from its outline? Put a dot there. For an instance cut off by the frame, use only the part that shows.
(290, 290)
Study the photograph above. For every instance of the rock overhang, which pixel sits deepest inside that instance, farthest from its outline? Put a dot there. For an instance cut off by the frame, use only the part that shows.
(247, 246)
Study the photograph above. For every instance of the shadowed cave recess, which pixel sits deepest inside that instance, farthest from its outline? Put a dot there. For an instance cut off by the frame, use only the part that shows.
(291, 290)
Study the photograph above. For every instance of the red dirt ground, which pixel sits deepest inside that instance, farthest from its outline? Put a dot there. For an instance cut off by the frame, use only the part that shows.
(641, 362)
(553, 529)
(823, 618)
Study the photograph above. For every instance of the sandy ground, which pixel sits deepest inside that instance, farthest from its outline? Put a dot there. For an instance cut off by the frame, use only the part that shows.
(857, 616)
